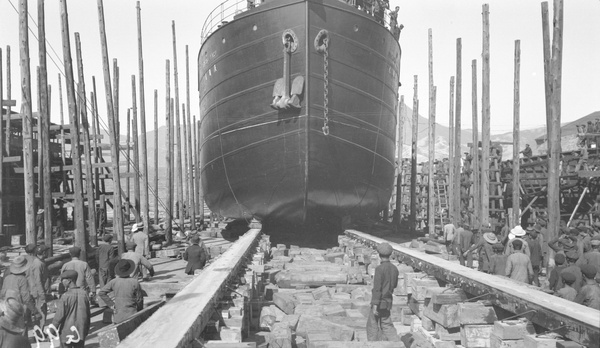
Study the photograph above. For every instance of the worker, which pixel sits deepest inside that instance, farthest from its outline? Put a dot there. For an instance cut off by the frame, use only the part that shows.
(141, 241)
(128, 298)
(138, 260)
(484, 249)
(567, 291)
(379, 323)
(498, 260)
(195, 255)
(572, 257)
(517, 233)
(85, 279)
(464, 235)
(592, 257)
(535, 242)
(104, 254)
(71, 322)
(589, 295)
(38, 279)
(12, 328)
(39, 224)
(449, 234)
(555, 280)
(527, 152)
(518, 265)
(17, 284)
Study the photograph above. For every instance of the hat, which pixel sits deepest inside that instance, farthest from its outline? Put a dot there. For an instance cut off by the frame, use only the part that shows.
(572, 255)
(595, 242)
(568, 277)
(13, 309)
(497, 247)
(518, 231)
(30, 248)
(19, 265)
(542, 222)
(40, 211)
(537, 227)
(490, 237)
(69, 274)
(108, 238)
(137, 227)
(517, 244)
(559, 259)
(75, 251)
(529, 228)
(589, 271)
(41, 248)
(124, 268)
(385, 249)
(130, 245)
(195, 239)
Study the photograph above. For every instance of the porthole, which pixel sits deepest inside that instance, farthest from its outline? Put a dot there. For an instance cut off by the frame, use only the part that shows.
(254, 27)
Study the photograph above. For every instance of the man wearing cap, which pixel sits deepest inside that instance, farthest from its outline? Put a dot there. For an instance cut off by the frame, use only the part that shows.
(137, 259)
(12, 328)
(498, 260)
(589, 295)
(567, 291)
(517, 233)
(484, 249)
(592, 257)
(572, 256)
(518, 265)
(565, 242)
(194, 255)
(535, 242)
(72, 318)
(379, 323)
(128, 298)
(555, 280)
(37, 277)
(85, 279)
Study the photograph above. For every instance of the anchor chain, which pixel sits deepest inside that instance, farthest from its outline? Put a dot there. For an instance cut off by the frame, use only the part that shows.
(322, 46)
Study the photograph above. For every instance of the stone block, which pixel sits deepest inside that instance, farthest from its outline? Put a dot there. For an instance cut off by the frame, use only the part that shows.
(285, 302)
(408, 277)
(420, 286)
(354, 313)
(230, 334)
(541, 341)
(280, 336)
(362, 306)
(476, 336)
(334, 310)
(290, 320)
(446, 295)
(436, 342)
(452, 334)
(416, 306)
(321, 293)
(497, 342)
(476, 313)
(445, 315)
(338, 332)
(513, 329)
(568, 344)
(427, 323)
(406, 316)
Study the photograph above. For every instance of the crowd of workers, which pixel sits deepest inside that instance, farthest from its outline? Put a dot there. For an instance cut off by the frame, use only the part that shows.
(26, 289)
(570, 262)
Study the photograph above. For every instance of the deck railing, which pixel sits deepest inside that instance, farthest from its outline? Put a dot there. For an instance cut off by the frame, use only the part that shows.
(227, 10)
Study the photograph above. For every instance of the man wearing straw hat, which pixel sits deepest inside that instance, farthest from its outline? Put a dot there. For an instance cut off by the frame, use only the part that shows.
(128, 298)
(12, 326)
(517, 233)
(484, 249)
(17, 282)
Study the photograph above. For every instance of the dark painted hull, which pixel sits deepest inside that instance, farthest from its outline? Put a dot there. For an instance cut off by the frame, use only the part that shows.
(272, 164)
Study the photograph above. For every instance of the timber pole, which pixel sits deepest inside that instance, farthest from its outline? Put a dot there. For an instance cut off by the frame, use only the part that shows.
(413, 162)
(114, 135)
(177, 130)
(143, 169)
(80, 235)
(184, 167)
(401, 115)
(45, 125)
(129, 164)
(168, 105)
(516, 205)
(85, 126)
(457, 128)
(485, 120)
(136, 153)
(555, 110)
(199, 190)
(63, 148)
(8, 97)
(156, 156)
(475, 149)
(431, 171)
(451, 203)
(26, 114)
(547, 73)
(191, 183)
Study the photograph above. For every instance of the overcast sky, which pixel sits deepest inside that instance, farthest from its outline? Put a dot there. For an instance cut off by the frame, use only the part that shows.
(509, 20)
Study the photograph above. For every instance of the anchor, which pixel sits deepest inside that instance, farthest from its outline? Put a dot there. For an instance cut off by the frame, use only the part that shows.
(284, 97)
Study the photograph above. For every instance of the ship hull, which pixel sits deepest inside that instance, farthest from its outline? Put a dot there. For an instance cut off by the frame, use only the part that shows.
(279, 164)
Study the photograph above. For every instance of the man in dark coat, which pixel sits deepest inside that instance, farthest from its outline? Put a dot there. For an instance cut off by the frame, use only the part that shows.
(71, 322)
(12, 327)
(128, 298)
(195, 255)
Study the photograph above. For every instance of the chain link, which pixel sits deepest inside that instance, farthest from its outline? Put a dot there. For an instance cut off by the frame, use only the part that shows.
(326, 86)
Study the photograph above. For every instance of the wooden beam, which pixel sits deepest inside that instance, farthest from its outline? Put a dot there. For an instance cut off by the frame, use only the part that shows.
(516, 204)
(156, 157)
(177, 130)
(450, 182)
(9, 103)
(194, 304)
(192, 195)
(8, 136)
(169, 154)
(136, 152)
(457, 127)
(413, 162)
(30, 228)
(485, 119)
(1, 149)
(401, 114)
(431, 171)
(476, 166)
(143, 167)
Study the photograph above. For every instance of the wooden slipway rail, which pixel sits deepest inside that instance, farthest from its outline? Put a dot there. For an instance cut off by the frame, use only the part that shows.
(579, 323)
(184, 317)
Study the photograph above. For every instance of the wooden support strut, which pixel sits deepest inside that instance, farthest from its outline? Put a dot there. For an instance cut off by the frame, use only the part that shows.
(143, 167)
